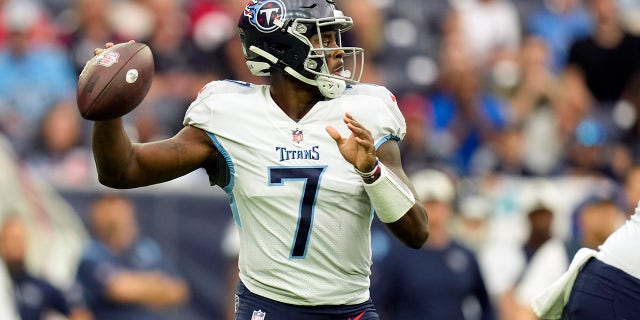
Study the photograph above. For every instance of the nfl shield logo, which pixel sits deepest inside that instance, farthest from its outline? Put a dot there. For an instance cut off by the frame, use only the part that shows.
(258, 315)
(297, 135)
(107, 59)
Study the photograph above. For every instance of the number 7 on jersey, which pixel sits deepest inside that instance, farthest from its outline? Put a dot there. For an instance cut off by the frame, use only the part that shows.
(311, 177)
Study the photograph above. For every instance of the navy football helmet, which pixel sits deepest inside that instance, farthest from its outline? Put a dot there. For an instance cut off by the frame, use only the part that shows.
(276, 34)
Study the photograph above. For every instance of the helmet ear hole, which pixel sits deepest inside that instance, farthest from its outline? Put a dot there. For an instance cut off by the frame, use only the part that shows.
(295, 56)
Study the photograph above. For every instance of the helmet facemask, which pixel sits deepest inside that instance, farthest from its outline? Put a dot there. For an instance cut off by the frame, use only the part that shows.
(330, 82)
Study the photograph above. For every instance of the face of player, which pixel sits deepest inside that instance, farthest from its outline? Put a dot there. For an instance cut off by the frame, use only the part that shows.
(334, 58)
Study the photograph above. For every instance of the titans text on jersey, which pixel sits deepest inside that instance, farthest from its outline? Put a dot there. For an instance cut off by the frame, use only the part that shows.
(285, 154)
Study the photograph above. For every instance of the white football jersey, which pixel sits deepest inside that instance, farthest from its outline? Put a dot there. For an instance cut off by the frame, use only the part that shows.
(621, 247)
(303, 214)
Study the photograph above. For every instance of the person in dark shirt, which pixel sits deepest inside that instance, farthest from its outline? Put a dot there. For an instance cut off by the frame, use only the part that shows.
(607, 59)
(606, 64)
(442, 280)
(123, 274)
(35, 297)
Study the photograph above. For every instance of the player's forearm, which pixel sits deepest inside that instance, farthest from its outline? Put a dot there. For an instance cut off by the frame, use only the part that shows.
(395, 204)
(413, 228)
(112, 150)
(395, 200)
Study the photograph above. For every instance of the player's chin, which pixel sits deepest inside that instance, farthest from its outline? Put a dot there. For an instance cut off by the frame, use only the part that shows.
(342, 73)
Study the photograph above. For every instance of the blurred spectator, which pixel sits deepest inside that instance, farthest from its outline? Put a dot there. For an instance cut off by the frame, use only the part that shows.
(463, 115)
(628, 114)
(558, 23)
(470, 227)
(507, 156)
(589, 153)
(490, 29)
(26, 14)
(35, 297)
(212, 27)
(510, 198)
(606, 63)
(131, 19)
(34, 76)
(594, 221)
(534, 102)
(443, 279)
(536, 84)
(88, 28)
(173, 50)
(180, 71)
(60, 154)
(416, 149)
(124, 275)
(631, 188)
(545, 259)
(56, 232)
(408, 42)
(605, 60)
(587, 127)
(573, 105)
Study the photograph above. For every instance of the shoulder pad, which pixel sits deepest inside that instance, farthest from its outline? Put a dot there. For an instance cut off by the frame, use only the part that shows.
(226, 86)
(372, 90)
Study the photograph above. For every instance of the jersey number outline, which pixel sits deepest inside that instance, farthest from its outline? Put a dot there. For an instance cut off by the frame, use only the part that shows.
(311, 176)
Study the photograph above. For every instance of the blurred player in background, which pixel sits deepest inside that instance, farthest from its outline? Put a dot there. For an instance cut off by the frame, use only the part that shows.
(304, 160)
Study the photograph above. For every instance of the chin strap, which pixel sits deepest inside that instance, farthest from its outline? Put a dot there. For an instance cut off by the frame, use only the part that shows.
(329, 87)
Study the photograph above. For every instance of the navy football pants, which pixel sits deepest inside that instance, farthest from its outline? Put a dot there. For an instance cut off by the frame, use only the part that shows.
(250, 306)
(603, 292)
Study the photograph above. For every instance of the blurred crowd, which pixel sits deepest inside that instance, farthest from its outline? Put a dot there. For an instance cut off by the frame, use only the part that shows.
(531, 108)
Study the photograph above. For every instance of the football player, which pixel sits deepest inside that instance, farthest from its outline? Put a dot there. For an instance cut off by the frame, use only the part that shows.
(602, 284)
(305, 160)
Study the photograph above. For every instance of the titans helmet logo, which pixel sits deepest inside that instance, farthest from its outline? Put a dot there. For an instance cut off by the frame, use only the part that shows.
(263, 13)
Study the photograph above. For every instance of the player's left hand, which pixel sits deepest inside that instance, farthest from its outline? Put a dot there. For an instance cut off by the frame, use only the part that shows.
(358, 148)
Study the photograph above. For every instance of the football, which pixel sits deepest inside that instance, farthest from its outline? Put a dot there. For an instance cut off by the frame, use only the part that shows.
(115, 81)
